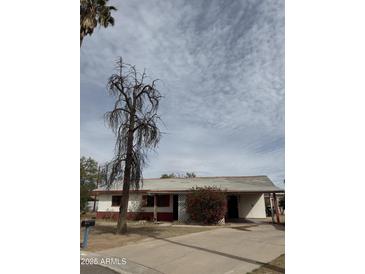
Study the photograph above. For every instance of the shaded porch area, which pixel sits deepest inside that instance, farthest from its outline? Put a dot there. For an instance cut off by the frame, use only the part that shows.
(261, 206)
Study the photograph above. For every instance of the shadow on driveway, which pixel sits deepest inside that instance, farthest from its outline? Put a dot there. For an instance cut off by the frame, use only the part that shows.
(272, 267)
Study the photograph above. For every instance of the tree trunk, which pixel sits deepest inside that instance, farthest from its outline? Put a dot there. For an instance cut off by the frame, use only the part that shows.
(123, 209)
(97, 185)
(81, 38)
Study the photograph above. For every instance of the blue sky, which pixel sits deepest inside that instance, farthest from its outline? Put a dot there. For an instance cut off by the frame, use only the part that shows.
(221, 65)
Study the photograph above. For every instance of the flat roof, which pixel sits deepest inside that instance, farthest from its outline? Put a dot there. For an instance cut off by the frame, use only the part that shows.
(227, 183)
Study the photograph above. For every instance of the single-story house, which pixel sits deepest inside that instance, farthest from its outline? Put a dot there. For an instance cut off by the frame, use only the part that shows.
(164, 199)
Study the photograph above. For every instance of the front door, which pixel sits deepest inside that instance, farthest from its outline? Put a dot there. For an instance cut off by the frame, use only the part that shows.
(175, 207)
(232, 207)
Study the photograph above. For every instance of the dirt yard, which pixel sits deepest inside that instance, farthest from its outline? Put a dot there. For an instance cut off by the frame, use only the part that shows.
(274, 267)
(103, 236)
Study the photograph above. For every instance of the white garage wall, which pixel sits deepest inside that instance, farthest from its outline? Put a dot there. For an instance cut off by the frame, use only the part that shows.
(251, 205)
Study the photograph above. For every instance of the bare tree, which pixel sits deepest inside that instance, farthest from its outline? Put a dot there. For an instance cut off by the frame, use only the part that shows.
(134, 123)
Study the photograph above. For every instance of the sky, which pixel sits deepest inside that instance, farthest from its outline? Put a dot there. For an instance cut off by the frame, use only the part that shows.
(221, 71)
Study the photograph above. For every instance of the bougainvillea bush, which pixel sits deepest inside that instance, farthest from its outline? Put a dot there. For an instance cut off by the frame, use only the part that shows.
(206, 204)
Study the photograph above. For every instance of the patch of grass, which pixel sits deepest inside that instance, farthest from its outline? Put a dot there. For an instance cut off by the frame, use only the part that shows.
(102, 235)
(274, 267)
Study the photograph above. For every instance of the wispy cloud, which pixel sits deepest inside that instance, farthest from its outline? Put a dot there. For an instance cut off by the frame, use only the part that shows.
(221, 65)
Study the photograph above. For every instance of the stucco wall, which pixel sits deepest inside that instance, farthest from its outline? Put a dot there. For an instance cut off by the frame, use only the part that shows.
(134, 204)
(105, 203)
(251, 205)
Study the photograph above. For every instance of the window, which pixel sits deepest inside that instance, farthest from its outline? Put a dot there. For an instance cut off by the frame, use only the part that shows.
(116, 200)
(148, 201)
(163, 200)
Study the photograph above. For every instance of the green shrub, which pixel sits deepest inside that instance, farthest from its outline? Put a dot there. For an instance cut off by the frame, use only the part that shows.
(206, 204)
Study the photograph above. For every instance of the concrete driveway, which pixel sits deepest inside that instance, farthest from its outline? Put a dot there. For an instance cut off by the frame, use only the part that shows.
(223, 250)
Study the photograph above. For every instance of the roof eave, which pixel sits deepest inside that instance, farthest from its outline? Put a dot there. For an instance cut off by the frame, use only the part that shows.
(177, 191)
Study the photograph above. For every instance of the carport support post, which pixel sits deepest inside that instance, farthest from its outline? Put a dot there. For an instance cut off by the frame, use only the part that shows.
(276, 208)
(154, 208)
(271, 208)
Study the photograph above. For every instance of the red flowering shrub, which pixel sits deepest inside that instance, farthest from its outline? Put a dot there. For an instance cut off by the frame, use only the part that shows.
(206, 204)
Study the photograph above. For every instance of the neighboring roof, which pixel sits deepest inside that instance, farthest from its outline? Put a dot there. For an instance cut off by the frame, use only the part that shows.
(231, 184)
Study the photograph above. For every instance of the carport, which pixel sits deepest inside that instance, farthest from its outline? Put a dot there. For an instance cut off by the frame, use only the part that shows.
(245, 205)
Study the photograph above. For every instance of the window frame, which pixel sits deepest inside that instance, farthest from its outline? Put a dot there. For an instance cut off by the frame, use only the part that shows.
(167, 201)
(160, 202)
(120, 200)
(145, 200)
